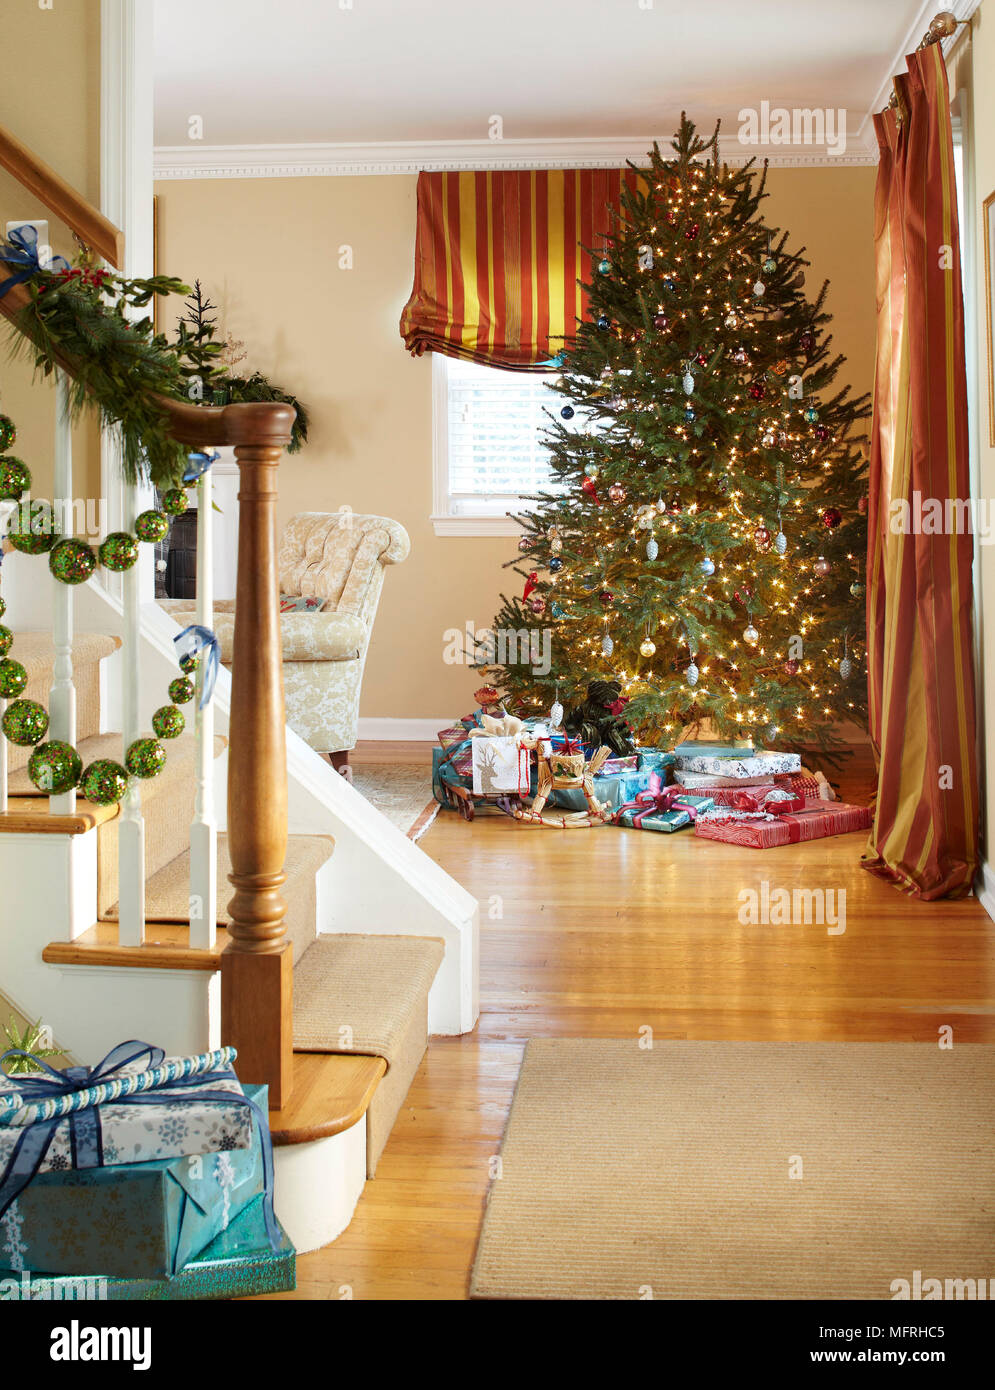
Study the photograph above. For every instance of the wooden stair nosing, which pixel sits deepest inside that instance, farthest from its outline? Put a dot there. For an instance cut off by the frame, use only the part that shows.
(169, 950)
(331, 1092)
(29, 815)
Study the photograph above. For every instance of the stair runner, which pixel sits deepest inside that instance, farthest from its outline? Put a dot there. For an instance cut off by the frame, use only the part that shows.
(366, 994)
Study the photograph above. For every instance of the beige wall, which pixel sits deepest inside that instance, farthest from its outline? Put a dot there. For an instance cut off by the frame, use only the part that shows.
(50, 99)
(267, 251)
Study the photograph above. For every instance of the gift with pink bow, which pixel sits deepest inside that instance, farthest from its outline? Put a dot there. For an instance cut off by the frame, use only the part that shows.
(662, 808)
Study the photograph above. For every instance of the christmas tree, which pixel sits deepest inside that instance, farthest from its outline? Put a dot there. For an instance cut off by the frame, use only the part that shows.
(703, 538)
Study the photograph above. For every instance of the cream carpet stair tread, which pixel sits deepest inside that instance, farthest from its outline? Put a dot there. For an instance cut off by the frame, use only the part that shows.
(36, 653)
(369, 994)
(167, 892)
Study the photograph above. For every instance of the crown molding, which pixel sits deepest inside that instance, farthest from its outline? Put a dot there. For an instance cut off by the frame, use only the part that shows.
(308, 160)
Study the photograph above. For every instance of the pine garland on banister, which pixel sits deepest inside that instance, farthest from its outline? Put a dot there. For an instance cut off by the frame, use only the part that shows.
(120, 363)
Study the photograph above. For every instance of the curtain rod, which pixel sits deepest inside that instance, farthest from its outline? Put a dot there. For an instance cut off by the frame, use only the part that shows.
(942, 26)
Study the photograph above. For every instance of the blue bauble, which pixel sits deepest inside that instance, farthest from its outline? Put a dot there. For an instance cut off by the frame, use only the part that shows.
(604, 322)
(668, 284)
(811, 415)
(707, 567)
(567, 412)
(689, 414)
(555, 564)
(604, 266)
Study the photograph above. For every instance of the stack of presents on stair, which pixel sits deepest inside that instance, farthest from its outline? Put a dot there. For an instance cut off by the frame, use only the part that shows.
(586, 771)
(140, 1177)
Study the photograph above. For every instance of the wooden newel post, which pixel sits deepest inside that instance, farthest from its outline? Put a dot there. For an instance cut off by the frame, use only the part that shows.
(257, 965)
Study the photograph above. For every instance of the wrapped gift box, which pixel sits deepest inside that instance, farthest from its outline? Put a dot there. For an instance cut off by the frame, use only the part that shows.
(462, 761)
(660, 808)
(704, 748)
(759, 765)
(764, 830)
(708, 781)
(655, 760)
(238, 1263)
(132, 1219)
(500, 766)
(176, 1123)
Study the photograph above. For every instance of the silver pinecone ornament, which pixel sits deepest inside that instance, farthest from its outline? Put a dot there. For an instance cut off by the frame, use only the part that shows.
(607, 645)
(846, 669)
(781, 543)
(652, 548)
(688, 383)
(691, 674)
(556, 714)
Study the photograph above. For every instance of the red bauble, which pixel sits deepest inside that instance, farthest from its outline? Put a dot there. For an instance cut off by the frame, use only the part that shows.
(821, 433)
(792, 667)
(672, 217)
(674, 505)
(832, 517)
(807, 341)
(761, 538)
(743, 594)
(702, 359)
(862, 505)
(660, 321)
(758, 390)
(524, 543)
(607, 598)
(692, 231)
(538, 605)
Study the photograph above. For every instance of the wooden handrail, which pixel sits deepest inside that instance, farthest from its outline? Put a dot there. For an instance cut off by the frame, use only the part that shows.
(81, 217)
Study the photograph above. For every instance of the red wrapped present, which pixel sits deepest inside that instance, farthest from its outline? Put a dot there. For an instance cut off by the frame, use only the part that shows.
(781, 822)
(462, 761)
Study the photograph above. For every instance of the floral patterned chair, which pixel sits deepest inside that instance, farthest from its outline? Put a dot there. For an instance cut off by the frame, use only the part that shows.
(339, 557)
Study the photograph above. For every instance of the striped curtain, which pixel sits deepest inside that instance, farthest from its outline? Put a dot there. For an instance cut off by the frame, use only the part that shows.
(498, 258)
(919, 622)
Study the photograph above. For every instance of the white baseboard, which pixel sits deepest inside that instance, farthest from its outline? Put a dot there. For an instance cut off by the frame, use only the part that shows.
(984, 888)
(403, 730)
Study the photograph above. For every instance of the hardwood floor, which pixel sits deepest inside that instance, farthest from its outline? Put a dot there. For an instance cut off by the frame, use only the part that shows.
(598, 933)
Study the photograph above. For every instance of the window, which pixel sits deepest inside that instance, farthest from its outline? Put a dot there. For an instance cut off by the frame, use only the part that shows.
(488, 449)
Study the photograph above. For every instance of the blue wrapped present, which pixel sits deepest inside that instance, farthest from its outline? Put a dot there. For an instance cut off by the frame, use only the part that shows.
(238, 1263)
(655, 760)
(143, 1220)
(661, 808)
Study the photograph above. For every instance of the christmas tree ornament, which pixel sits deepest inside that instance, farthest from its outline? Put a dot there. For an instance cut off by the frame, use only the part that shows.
(55, 767)
(25, 722)
(739, 355)
(524, 543)
(13, 678)
(708, 566)
(605, 266)
(72, 561)
(34, 535)
(831, 518)
(668, 284)
(781, 367)
(862, 506)
(732, 320)
(856, 588)
(689, 414)
(806, 341)
(758, 390)
(8, 433)
(661, 506)
(174, 502)
(688, 383)
(604, 322)
(592, 470)
(181, 690)
(567, 412)
(660, 321)
(821, 433)
(652, 549)
(759, 289)
(3, 606)
(846, 669)
(769, 265)
(607, 645)
(168, 722)
(104, 782)
(145, 758)
(556, 712)
(537, 604)
(530, 583)
(691, 674)
(646, 516)
(743, 594)
(607, 598)
(751, 636)
(822, 567)
(556, 545)
(6, 639)
(781, 543)
(692, 231)
(617, 494)
(189, 664)
(701, 359)
(768, 439)
(557, 610)
(15, 479)
(811, 414)
(152, 527)
(761, 538)
(674, 504)
(118, 552)
(791, 666)
(555, 565)
(588, 486)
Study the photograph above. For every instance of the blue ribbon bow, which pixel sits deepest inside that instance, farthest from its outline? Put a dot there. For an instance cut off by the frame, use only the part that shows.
(194, 639)
(84, 1125)
(21, 248)
(198, 465)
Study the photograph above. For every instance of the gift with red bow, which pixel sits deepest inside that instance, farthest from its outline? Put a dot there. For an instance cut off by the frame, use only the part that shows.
(777, 818)
(662, 808)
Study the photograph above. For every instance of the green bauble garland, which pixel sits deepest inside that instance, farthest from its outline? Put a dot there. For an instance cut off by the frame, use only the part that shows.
(55, 767)
(118, 552)
(72, 561)
(174, 502)
(104, 782)
(168, 722)
(188, 664)
(151, 527)
(8, 433)
(25, 722)
(36, 534)
(15, 479)
(13, 679)
(181, 691)
(6, 637)
(145, 758)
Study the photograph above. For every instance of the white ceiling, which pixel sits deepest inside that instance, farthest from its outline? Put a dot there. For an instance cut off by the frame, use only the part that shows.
(290, 72)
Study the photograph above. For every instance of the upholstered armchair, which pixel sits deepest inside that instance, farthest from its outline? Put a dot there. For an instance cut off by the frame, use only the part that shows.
(339, 557)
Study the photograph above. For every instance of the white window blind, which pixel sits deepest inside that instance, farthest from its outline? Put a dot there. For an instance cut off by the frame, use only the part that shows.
(495, 454)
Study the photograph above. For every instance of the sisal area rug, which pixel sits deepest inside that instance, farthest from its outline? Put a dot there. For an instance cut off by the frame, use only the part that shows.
(629, 1174)
(400, 791)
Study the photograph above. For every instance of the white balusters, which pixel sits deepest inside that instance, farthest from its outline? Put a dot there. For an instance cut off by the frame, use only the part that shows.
(203, 828)
(62, 696)
(131, 826)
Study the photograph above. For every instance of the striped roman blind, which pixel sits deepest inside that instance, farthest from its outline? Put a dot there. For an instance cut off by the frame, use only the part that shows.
(498, 258)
